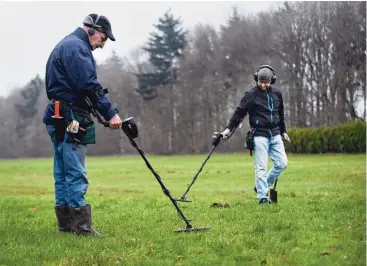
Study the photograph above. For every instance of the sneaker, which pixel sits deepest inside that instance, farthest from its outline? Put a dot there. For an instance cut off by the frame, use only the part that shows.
(255, 189)
(264, 201)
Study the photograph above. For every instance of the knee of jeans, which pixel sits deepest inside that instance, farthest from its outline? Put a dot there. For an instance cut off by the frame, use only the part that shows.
(282, 165)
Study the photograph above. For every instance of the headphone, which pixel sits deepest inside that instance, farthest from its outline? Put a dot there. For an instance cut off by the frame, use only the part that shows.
(273, 78)
(93, 24)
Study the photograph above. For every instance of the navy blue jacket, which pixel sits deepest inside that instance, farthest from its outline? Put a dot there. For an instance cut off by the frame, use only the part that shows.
(71, 74)
(266, 107)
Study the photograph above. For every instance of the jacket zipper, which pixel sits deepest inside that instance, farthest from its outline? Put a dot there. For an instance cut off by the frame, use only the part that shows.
(270, 100)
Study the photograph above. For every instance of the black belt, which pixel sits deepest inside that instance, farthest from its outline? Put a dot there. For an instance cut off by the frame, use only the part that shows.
(266, 127)
(74, 107)
(61, 101)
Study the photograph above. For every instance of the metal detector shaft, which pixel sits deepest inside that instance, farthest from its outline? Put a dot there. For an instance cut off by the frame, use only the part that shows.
(95, 113)
(197, 174)
(215, 143)
(165, 190)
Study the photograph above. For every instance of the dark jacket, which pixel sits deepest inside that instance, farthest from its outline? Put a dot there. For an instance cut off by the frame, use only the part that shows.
(71, 74)
(265, 109)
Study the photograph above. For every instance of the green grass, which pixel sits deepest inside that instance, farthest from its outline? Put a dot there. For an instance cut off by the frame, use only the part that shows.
(320, 218)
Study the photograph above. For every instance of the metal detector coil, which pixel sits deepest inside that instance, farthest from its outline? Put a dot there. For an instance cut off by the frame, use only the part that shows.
(130, 129)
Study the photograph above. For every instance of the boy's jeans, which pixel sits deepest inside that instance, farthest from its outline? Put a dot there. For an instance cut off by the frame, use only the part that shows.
(71, 181)
(274, 148)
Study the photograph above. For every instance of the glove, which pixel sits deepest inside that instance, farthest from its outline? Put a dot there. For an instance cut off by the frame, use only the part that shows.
(226, 134)
(286, 138)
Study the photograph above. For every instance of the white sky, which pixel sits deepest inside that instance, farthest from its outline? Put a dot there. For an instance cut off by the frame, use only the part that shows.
(30, 30)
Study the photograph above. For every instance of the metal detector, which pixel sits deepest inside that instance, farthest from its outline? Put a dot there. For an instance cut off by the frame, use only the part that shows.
(130, 129)
(216, 138)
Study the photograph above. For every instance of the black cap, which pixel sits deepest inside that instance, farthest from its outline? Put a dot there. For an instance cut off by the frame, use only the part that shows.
(101, 23)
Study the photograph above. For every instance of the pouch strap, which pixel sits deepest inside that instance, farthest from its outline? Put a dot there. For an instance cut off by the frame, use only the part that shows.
(72, 114)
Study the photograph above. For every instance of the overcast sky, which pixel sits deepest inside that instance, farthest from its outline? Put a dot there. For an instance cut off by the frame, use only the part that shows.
(30, 30)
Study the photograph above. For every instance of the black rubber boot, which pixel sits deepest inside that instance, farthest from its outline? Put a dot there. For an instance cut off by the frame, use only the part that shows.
(64, 220)
(82, 221)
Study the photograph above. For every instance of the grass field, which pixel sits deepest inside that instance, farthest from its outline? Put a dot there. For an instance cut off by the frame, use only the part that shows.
(320, 218)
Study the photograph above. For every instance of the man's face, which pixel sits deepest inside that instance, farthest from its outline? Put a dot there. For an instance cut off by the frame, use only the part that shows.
(264, 84)
(98, 40)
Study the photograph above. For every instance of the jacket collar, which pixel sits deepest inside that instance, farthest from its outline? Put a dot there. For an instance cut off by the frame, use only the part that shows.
(81, 34)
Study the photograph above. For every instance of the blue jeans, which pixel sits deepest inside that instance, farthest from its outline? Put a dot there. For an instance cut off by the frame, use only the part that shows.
(274, 148)
(71, 181)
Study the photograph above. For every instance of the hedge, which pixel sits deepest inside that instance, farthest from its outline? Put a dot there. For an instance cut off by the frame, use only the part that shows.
(344, 138)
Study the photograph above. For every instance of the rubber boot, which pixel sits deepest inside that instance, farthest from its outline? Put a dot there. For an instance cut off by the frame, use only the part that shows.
(82, 221)
(63, 216)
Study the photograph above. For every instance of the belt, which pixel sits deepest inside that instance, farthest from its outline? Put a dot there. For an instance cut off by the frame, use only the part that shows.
(61, 101)
(266, 127)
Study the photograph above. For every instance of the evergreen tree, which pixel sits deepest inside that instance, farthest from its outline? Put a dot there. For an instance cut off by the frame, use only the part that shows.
(164, 45)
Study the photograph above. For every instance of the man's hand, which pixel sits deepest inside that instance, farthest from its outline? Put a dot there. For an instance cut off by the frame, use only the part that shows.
(115, 122)
(226, 134)
(286, 138)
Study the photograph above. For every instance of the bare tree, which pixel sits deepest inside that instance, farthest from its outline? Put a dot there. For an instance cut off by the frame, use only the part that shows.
(316, 48)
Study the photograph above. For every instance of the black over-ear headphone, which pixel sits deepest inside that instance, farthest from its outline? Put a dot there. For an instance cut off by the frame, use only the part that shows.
(93, 25)
(273, 78)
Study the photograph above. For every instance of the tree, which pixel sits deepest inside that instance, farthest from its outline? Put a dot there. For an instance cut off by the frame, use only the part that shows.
(164, 46)
(27, 107)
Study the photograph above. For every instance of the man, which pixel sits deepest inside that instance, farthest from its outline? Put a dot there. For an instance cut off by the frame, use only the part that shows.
(70, 78)
(264, 104)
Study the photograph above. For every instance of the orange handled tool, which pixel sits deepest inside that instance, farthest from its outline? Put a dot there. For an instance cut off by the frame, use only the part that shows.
(57, 110)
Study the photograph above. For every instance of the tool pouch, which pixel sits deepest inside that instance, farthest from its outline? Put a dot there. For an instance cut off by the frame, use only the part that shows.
(249, 144)
(85, 133)
(58, 120)
(59, 129)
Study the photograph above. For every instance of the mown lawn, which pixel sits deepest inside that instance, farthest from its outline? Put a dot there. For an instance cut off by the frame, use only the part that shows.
(320, 218)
